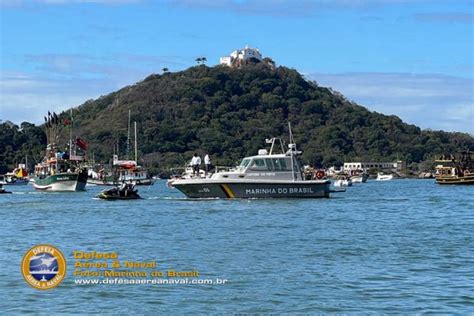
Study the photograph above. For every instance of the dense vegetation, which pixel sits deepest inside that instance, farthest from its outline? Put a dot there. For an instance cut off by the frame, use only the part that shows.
(228, 113)
(18, 142)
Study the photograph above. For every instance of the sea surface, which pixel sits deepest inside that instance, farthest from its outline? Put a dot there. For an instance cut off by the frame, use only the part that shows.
(401, 246)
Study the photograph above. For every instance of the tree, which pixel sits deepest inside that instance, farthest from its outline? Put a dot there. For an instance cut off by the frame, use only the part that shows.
(201, 60)
(269, 62)
(165, 70)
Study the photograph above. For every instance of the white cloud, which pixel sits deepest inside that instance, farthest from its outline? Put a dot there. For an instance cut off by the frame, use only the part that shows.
(428, 100)
(21, 3)
(446, 17)
(63, 81)
(295, 7)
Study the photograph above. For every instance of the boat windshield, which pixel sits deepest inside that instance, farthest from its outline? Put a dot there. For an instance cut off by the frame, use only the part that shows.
(244, 163)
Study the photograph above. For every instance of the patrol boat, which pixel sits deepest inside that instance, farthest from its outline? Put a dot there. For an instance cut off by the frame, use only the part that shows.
(266, 175)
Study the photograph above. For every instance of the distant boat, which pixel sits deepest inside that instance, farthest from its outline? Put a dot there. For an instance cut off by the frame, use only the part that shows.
(384, 177)
(2, 190)
(455, 169)
(359, 179)
(425, 175)
(343, 183)
(17, 177)
(123, 170)
(359, 176)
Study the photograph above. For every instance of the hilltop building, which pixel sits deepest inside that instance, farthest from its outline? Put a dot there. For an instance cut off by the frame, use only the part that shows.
(242, 57)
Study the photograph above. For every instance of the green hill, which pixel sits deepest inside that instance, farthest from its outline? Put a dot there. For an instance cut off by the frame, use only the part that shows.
(229, 112)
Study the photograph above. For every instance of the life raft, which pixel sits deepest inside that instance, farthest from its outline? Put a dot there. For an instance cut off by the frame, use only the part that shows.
(320, 174)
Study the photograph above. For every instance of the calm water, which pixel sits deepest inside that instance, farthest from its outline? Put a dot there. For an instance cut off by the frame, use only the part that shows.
(403, 246)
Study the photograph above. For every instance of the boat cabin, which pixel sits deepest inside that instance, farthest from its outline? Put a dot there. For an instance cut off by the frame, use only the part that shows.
(266, 165)
(57, 162)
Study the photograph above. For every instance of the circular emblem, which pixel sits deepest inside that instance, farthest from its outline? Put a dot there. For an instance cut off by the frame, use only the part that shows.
(43, 267)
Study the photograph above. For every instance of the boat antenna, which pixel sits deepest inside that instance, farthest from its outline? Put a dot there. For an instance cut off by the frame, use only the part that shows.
(291, 151)
(128, 136)
(292, 140)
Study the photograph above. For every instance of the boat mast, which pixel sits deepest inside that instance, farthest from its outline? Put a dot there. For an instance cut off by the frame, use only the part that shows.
(70, 135)
(128, 136)
(136, 150)
(273, 143)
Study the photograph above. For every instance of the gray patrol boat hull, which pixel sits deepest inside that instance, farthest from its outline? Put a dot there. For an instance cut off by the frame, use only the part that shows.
(207, 188)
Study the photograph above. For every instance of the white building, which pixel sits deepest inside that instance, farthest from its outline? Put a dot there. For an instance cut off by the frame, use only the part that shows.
(398, 165)
(241, 57)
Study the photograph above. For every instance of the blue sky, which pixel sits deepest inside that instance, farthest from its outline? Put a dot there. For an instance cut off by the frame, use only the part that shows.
(411, 58)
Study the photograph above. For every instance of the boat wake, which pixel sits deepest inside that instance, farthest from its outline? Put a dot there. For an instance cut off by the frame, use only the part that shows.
(169, 198)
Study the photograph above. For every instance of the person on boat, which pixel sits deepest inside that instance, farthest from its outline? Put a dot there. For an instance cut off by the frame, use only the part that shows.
(123, 186)
(2, 190)
(196, 163)
(207, 164)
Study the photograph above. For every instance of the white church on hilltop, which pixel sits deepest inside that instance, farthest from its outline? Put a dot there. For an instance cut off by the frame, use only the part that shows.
(242, 57)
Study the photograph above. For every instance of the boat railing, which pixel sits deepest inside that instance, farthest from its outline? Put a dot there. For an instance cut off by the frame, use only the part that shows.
(223, 169)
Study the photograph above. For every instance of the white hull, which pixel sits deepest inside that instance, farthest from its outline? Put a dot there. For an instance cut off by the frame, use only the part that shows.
(342, 183)
(384, 177)
(357, 179)
(61, 186)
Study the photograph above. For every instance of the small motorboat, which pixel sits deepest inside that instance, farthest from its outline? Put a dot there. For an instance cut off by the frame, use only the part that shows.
(359, 176)
(125, 191)
(343, 183)
(2, 190)
(384, 177)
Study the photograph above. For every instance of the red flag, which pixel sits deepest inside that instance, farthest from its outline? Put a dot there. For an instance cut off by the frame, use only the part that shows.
(66, 122)
(81, 143)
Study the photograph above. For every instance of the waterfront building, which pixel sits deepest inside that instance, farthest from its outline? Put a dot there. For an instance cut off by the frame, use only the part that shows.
(397, 165)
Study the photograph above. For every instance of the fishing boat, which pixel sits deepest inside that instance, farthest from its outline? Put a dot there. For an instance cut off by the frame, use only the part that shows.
(61, 170)
(384, 177)
(130, 171)
(455, 169)
(123, 170)
(266, 175)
